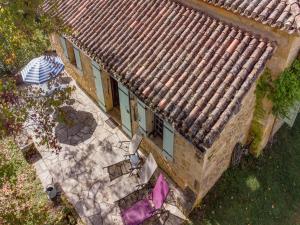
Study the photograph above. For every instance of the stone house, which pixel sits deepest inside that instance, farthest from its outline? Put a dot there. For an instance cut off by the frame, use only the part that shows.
(182, 72)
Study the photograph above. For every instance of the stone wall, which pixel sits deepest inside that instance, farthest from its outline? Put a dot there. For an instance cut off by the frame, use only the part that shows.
(217, 159)
(85, 79)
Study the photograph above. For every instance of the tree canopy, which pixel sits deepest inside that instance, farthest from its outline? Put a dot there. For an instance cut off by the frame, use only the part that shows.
(29, 108)
(24, 29)
(24, 32)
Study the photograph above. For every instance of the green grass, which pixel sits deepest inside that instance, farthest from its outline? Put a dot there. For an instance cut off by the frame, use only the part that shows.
(22, 198)
(264, 191)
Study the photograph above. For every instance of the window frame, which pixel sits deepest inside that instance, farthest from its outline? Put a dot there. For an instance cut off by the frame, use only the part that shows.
(158, 124)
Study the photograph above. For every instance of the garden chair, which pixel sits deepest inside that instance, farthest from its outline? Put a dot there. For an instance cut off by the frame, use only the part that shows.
(129, 185)
(133, 156)
(148, 207)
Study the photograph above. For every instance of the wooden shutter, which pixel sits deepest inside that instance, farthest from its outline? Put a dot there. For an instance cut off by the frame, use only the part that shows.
(99, 86)
(64, 46)
(142, 117)
(125, 109)
(168, 141)
(77, 58)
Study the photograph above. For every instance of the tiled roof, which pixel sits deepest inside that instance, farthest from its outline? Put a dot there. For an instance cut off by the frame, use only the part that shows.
(283, 14)
(191, 68)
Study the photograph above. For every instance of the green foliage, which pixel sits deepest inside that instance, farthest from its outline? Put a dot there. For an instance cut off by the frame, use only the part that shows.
(262, 191)
(22, 198)
(283, 92)
(13, 111)
(27, 108)
(256, 130)
(286, 90)
(24, 30)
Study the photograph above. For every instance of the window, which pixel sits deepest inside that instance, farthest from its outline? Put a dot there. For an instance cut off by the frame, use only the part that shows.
(158, 126)
(160, 131)
(164, 137)
(77, 59)
(63, 43)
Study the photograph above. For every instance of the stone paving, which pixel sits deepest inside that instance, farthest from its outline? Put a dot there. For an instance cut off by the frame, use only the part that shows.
(89, 144)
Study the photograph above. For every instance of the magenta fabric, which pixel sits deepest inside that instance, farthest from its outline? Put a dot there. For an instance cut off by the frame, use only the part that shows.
(145, 208)
(138, 213)
(160, 192)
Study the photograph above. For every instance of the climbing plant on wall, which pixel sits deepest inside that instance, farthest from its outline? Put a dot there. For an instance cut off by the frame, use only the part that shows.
(283, 92)
(256, 131)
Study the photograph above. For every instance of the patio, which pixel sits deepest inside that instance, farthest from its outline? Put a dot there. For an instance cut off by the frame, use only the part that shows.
(89, 144)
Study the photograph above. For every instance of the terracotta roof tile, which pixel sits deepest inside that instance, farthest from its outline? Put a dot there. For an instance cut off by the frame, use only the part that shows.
(283, 14)
(191, 68)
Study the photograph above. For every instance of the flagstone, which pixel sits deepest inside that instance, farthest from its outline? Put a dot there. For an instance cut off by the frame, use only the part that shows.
(45, 178)
(90, 207)
(79, 166)
(96, 219)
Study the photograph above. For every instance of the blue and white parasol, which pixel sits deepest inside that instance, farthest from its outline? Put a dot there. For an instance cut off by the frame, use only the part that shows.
(42, 69)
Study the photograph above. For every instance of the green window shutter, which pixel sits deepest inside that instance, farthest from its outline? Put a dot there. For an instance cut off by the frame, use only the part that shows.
(125, 109)
(98, 84)
(64, 46)
(77, 58)
(142, 116)
(168, 141)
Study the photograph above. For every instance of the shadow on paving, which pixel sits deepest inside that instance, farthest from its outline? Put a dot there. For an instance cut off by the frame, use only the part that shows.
(260, 191)
(74, 126)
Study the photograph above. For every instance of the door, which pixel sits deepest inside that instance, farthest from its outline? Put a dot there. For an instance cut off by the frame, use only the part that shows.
(125, 109)
(99, 86)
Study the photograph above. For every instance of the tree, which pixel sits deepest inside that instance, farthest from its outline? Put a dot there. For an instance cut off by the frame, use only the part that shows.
(24, 32)
(25, 108)
(24, 29)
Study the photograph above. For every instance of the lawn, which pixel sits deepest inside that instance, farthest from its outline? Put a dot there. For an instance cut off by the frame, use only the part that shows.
(22, 198)
(264, 191)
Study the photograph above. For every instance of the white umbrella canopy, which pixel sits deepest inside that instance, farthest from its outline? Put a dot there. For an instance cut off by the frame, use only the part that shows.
(42, 69)
(48, 88)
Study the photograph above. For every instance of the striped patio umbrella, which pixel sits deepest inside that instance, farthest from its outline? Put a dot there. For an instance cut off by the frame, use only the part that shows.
(42, 69)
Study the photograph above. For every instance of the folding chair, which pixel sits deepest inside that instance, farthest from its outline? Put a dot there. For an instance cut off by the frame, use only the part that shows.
(134, 144)
(149, 206)
(133, 156)
(130, 184)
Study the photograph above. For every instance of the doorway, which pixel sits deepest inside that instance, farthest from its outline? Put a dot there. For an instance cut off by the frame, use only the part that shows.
(115, 112)
(121, 111)
(115, 93)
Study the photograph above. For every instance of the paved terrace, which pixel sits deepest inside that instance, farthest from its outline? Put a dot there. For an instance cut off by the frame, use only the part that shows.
(89, 144)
